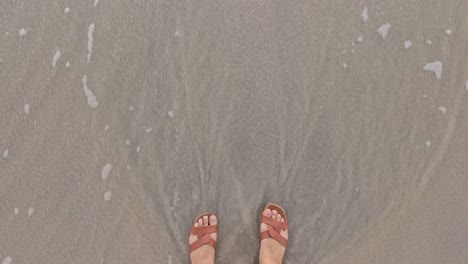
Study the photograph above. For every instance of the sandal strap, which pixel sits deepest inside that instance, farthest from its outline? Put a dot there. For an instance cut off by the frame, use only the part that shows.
(203, 230)
(278, 226)
(274, 229)
(203, 234)
(205, 240)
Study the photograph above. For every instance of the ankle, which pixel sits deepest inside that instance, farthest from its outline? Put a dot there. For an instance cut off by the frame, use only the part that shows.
(202, 258)
(269, 260)
(203, 261)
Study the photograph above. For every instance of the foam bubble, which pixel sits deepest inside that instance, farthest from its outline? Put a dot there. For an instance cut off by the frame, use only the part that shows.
(408, 44)
(105, 171)
(383, 30)
(364, 14)
(435, 67)
(107, 196)
(23, 32)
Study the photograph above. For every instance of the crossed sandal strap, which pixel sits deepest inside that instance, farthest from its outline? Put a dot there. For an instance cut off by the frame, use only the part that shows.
(203, 237)
(274, 229)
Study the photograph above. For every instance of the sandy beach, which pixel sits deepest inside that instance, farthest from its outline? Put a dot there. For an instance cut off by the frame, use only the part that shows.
(121, 121)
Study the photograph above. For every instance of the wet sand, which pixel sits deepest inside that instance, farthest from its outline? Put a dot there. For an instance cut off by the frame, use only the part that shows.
(120, 121)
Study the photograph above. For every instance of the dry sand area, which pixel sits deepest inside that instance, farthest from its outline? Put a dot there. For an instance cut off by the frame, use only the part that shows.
(120, 121)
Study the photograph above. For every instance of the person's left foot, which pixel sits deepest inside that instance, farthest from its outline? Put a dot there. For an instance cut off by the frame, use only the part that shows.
(206, 253)
(271, 251)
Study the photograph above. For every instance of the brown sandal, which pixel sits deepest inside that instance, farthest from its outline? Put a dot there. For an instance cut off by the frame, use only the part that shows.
(275, 227)
(203, 234)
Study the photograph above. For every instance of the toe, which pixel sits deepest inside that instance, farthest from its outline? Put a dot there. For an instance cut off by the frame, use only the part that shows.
(205, 220)
(278, 217)
(214, 221)
(263, 227)
(273, 214)
(200, 222)
(284, 232)
(193, 238)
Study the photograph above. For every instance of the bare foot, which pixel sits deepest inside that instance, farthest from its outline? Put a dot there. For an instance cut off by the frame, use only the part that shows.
(204, 254)
(271, 251)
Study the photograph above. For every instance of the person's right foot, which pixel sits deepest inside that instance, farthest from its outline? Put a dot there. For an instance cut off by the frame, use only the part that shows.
(271, 251)
(206, 253)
